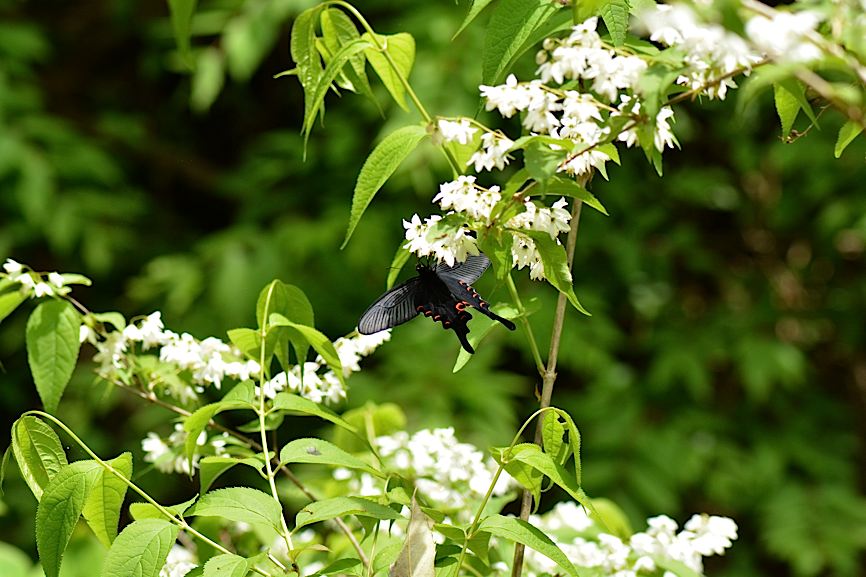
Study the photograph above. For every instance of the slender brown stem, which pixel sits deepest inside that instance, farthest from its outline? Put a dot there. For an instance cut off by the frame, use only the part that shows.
(549, 375)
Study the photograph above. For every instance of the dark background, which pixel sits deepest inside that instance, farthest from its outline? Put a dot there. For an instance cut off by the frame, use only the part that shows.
(723, 369)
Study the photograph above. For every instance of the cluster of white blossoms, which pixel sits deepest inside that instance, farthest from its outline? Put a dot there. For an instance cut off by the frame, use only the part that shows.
(35, 284)
(450, 474)
(579, 538)
(168, 456)
(785, 36)
(452, 243)
(179, 562)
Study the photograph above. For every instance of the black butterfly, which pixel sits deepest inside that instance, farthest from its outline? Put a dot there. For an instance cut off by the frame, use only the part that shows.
(439, 291)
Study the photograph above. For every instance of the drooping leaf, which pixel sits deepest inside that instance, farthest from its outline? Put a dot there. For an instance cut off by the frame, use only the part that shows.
(324, 453)
(141, 549)
(558, 186)
(521, 531)
(291, 302)
(612, 517)
(512, 23)
(401, 52)
(574, 441)
(847, 133)
(303, 50)
(555, 265)
(552, 433)
(59, 509)
(103, 503)
(38, 451)
(341, 506)
(52, 348)
(787, 108)
(419, 550)
(338, 29)
(378, 168)
(243, 504)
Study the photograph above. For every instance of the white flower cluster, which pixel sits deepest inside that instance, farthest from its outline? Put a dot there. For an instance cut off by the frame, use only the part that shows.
(453, 244)
(451, 474)
(785, 35)
(702, 536)
(167, 455)
(208, 361)
(712, 52)
(34, 284)
(325, 386)
(179, 562)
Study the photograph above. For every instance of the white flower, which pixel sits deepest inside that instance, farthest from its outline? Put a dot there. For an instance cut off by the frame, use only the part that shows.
(86, 334)
(462, 195)
(56, 279)
(179, 562)
(43, 289)
(460, 131)
(711, 535)
(26, 280)
(493, 152)
(447, 243)
(785, 36)
(12, 267)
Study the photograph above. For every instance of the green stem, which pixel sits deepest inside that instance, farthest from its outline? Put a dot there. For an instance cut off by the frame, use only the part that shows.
(263, 431)
(179, 521)
(527, 326)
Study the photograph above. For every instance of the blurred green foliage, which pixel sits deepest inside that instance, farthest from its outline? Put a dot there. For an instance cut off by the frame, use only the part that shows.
(723, 368)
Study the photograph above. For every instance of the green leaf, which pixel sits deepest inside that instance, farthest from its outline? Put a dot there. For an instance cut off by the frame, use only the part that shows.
(378, 168)
(59, 510)
(612, 517)
(542, 161)
(182, 12)
(324, 453)
(15, 562)
(320, 343)
(338, 30)
(474, 11)
(141, 549)
(615, 16)
(847, 133)
(512, 23)
(559, 186)
(207, 80)
(367, 423)
(198, 421)
(226, 565)
(401, 48)
(288, 402)
(141, 511)
(9, 301)
(52, 348)
(796, 89)
(114, 319)
(38, 451)
(340, 507)
(532, 455)
(103, 503)
(316, 96)
(239, 504)
(291, 302)
(552, 433)
(481, 328)
(787, 107)
(555, 264)
(521, 531)
(419, 550)
(209, 468)
(75, 278)
(574, 441)
(528, 477)
(341, 566)
(303, 50)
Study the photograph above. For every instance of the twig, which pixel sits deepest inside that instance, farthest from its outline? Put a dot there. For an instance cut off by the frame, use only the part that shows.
(549, 375)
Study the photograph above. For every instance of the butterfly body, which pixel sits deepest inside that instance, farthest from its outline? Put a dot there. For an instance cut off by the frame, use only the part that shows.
(440, 292)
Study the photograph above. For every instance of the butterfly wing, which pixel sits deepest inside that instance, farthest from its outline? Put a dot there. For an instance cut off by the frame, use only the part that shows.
(393, 308)
(467, 271)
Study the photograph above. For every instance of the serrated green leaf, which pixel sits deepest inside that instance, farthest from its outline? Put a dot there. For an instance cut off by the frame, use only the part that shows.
(242, 504)
(559, 186)
(401, 49)
(288, 402)
(52, 348)
(528, 477)
(419, 550)
(59, 510)
(103, 503)
(320, 343)
(9, 301)
(303, 50)
(474, 11)
(512, 23)
(552, 433)
(141, 549)
(226, 565)
(338, 29)
(798, 91)
(209, 468)
(182, 12)
(615, 16)
(140, 511)
(521, 531)
(787, 107)
(378, 168)
(532, 455)
(291, 302)
(555, 264)
(196, 423)
(38, 452)
(574, 441)
(341, 506)
(847, 133)
(322, 452)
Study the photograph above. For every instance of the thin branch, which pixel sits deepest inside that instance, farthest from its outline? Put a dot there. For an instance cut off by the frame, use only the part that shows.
(549, 375)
